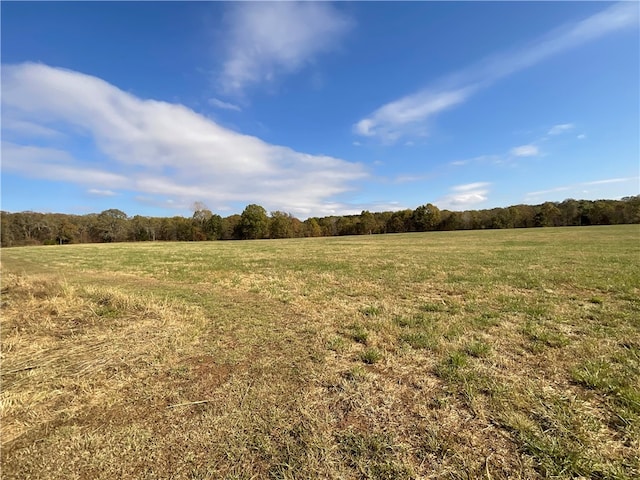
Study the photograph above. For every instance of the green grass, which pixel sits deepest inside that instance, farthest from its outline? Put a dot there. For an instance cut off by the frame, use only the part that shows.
(478, 349)
(371, 356)
(420, 340)
(488, 354)
(359, 334)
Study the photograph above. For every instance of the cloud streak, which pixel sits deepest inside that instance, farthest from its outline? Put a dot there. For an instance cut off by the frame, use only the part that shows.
(101, 193)
(224, 105)
(410, 115)
(465, 196)
(408, 112)
(114, 141)
(561, 128)
(525, 151)
(531, 149)
(267, 39)
(577, 189)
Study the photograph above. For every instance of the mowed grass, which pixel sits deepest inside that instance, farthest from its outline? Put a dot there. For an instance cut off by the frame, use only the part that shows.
(488, 354)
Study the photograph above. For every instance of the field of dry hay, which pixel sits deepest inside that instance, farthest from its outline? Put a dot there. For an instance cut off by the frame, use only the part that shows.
(489, 354)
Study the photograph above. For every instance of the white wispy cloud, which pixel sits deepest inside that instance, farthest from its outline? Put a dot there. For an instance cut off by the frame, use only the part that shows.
(525, 151)
(405, 116)
(157, 149)
(582, 136)
(610, 180)
(216, 102)
(560, 128)
(467, 187)
(464, 196)
(101, 193)
(545, 192)
(495, 159)
(624, 186)
(12, 127)
(522, 151)
(410, 115)
(507, 158)
(266, 39)
(410, 178)
(55, 164)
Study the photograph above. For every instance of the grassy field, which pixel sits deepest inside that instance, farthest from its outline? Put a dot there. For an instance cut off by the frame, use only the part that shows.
(489, 354)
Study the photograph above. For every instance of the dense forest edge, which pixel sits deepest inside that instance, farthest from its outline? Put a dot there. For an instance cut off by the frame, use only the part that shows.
(32, 228)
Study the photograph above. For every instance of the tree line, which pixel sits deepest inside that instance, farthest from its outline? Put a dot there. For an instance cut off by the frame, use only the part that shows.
(113, 225)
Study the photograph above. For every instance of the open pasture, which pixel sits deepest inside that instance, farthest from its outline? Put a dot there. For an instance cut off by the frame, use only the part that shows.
(484, 354)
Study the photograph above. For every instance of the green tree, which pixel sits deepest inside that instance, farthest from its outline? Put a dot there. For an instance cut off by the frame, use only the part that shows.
(631, 209)
(347, 225)
(524, 216)
(400, 221)
(142, 229)
(231, 227)
(254, 223)
(213, 227)
(570, 210)
(6, 229)
(312, 228)
(548, 216)
(199, 221)
(602, 213)
(183, 228)
(281, 225)
(366, 223)
(382, 219)
(66, 232)
(111, 225)
(426, 217)
(328, 226)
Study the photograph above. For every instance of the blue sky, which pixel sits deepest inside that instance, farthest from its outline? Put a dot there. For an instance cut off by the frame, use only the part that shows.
(317, 108)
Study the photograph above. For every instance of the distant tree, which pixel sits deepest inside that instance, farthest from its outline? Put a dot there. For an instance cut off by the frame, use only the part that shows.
(366, 224)
(199, 221)
(347, 225)
(67, 231)
(381, 219)
(493, 219)
(468, 220)
(510, 216)
(602, 213)
(281, 225)
(312, 228)
(329, 226)
(548, 215)
(570, 210)
(254, 223)
(201, 216)
(231, 228)
(139, 230)
(6, 229)
(183, 228)
(631, 209)
(400, 221)
(175, 229)
(110, 225)
(426, 217)
(525, 216)
(200, 211)
(298, 227)
(213, 227)
(33, 228)
(449, 220)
